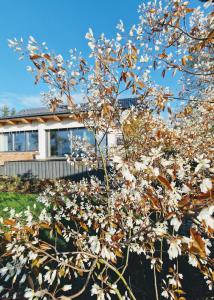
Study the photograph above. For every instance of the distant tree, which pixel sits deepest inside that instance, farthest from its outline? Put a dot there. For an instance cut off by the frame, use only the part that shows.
(13, 111)
(5, 111)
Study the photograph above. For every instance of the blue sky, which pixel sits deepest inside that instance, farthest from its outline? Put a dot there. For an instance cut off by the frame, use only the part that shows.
(62, 24)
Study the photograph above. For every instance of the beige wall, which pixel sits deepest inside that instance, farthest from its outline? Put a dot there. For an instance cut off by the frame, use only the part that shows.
(14, 156)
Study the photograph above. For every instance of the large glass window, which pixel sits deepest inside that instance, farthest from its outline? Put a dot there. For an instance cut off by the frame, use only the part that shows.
(9, 142)
(32, 141)
(66, 141)
(59, 142)
(19, 141)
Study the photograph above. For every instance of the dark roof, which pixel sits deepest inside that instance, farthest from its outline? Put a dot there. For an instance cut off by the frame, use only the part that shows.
(62, 109)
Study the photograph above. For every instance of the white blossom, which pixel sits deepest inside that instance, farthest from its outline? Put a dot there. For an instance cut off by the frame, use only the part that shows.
(98, 291)
(206, 185)
(174, 248)
(175, 223)
(94, 244)
(206, 215)
(67, 287)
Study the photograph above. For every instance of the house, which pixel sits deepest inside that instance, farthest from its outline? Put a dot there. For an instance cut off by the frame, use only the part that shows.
(35, 135)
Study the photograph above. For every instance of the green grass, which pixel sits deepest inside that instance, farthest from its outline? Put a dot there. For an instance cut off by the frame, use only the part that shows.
(19, 202)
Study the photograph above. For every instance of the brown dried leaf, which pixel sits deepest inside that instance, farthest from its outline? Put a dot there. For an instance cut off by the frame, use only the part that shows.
(164, 182)
(9, 222)
(198, 245)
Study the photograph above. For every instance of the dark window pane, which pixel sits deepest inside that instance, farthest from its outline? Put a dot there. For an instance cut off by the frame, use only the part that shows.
(62, 141)
(82, 141)
(20, 141)
(10, 142)
(32, 141)
(84, 134)
(59, 142)
(7, 142)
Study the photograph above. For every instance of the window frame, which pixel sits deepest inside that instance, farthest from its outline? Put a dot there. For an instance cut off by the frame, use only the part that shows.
(48, 137)
(26, 140)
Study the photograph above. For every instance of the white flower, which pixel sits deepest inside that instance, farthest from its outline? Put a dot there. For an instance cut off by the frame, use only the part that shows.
(89, 35)
(23, 278)
(118, 160)
(206, 185)
(203, 164)
(160, 228)
(31, 48)
(138, 166)
(107, 254)
(185, 189)
(206, 216)
(165, 162)
(31, 294)
(127, 174)
(94, 244)
(129, 222)
(31, 39)
(67, 287)
(50, 276)
(175, 223)
(124, 115)
(59, 58)
(97, 290)
(40, 278)
(208, 3)
(156, 171)
(12, 43)
(91, 45)
(192, 260)
(119, 37)
(120, 26)
(172, 281)
(174, 249)
(32, 255)
(144, 58)
(165, 294)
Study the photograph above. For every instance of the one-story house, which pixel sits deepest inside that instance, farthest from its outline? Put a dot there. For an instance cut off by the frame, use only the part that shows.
(40, 134)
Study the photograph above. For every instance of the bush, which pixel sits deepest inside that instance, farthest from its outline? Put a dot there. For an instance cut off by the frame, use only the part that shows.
(23, 184)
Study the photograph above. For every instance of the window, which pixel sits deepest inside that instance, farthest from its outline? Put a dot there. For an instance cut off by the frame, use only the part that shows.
(119, 140)
(32, 141)
(59, 142)
(62, 140)
(9, 142)
(19, 141)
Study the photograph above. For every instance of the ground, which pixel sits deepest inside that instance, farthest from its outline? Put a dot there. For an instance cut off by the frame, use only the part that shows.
(17, 201)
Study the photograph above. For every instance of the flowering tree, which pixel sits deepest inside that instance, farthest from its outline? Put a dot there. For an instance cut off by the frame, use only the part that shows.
(160, 176)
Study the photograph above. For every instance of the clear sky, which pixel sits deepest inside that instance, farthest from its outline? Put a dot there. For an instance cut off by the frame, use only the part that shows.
(62, 24)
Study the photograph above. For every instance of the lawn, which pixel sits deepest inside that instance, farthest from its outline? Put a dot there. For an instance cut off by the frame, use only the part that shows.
(19, 202)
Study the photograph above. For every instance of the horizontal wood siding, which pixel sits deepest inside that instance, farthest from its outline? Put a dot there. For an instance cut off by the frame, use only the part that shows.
(48, 169)
(16, 156)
